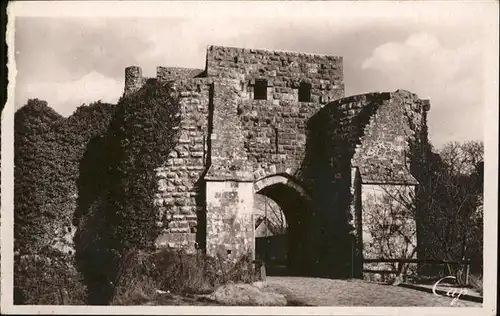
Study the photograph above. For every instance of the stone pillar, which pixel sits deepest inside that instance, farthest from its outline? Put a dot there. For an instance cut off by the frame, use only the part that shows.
(230, 223)
(229, 186)
(133, 79)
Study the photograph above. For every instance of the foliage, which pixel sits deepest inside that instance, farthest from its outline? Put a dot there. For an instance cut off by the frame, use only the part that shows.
(447, 205)
(140, 137)
(449, 202)
(141, 273)
(388, 219)
(99, 177)
(452, 208)
(78, 131)
(118, 183)
(137, 279)
(48, 149)
(37, 181)
(47, 279)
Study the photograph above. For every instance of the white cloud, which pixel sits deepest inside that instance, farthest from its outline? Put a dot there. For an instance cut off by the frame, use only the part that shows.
(186, 41)
(65, 97)
(450, 77)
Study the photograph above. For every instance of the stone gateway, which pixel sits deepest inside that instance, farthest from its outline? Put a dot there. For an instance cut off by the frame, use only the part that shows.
(278, 124)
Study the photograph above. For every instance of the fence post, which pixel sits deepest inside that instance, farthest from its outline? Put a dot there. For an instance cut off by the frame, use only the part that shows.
(61, 295)
(467, 274)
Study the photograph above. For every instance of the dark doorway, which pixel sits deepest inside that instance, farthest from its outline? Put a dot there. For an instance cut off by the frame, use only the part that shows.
(270, 234)
(282, 225)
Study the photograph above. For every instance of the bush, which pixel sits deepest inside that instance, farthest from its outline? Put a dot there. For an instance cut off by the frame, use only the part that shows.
(140, 274)
(47, 280)
(137, 279)
(181, 272)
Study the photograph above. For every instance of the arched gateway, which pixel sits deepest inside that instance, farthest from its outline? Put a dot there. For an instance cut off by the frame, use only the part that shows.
(288, 250)
(258, 121)
(230, 219)
(268, 182)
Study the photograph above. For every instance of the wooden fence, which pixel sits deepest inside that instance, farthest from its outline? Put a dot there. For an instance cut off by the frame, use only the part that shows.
(462, 271)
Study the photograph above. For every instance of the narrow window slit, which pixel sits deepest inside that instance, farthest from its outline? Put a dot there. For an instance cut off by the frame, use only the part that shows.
(276, 135)
(305, 92)
(260, 89)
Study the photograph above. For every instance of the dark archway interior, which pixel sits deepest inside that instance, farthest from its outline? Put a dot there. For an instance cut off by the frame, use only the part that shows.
(293, 244)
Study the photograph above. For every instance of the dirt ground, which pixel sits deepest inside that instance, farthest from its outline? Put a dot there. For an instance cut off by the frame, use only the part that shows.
(331, 292)
(302, 291)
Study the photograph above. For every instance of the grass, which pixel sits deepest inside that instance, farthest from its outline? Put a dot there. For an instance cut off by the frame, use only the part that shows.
(176, 271)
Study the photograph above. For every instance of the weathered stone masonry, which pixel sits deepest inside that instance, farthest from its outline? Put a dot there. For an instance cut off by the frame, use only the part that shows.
(255, 115)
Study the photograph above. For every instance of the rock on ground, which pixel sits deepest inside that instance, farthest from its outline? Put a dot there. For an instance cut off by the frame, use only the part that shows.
(246, 295)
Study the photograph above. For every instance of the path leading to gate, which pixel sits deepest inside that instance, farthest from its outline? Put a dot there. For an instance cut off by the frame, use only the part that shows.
(330, 292)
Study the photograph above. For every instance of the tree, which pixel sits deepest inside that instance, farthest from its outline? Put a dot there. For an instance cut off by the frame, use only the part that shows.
(449, 204)
(389, 225)
(265, 209)
(447, 207)
(463, 176)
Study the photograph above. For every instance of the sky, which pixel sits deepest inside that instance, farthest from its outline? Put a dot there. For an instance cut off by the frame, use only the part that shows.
(68, 61)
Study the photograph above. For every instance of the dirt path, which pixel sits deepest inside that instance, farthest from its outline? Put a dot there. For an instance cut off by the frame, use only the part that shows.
(328, 292)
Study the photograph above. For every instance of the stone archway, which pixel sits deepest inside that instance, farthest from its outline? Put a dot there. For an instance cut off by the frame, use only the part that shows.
(280, 179)
(288, 251)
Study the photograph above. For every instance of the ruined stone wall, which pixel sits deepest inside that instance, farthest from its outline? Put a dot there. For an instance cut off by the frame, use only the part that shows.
(334, 134)
(382, 155)
(283, 70)
(177, 73)
(385, 213)
(371, 132)
(361, 140)
(180, 199)
(133, 79)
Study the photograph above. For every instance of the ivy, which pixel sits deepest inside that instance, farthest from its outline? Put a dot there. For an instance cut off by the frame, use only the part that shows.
(118, 183)
(36, 176)
(140, 137)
